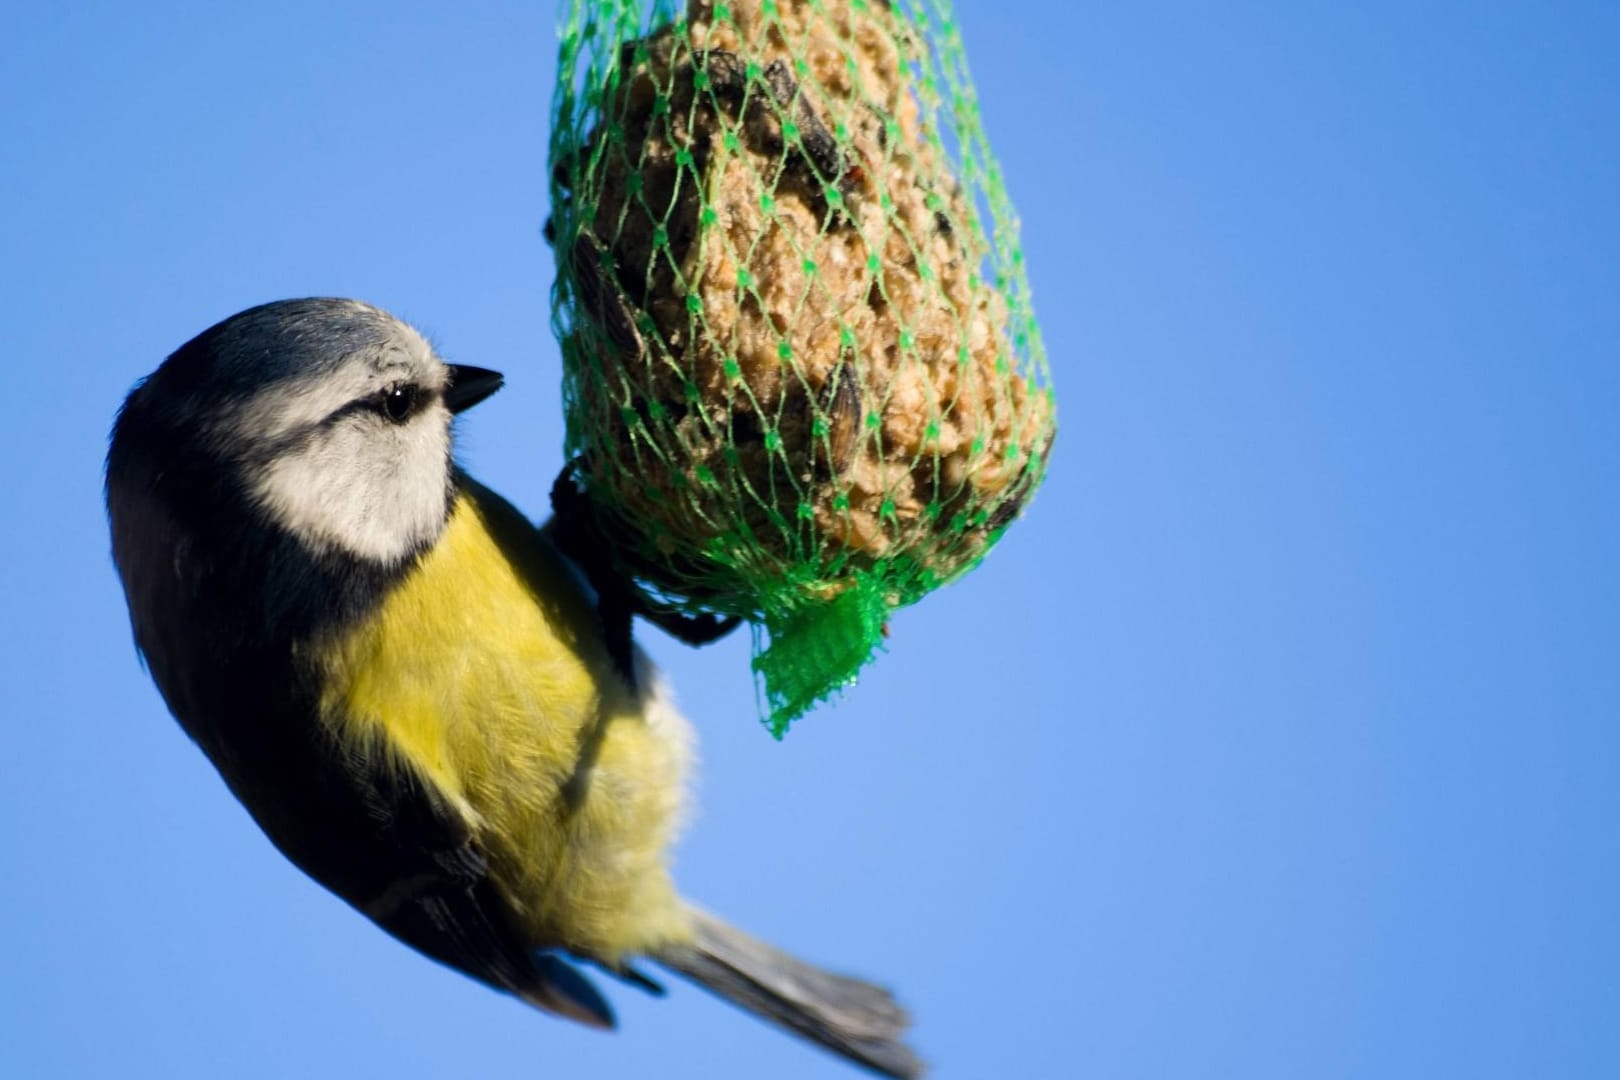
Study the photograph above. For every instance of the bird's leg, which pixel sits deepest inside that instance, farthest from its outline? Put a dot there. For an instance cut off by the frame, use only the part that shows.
(575, 531)
(690, 629)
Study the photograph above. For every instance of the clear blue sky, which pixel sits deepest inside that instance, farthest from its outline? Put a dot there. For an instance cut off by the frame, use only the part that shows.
(1281, 739)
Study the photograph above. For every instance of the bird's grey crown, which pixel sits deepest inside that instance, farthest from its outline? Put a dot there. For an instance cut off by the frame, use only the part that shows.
(285, 339)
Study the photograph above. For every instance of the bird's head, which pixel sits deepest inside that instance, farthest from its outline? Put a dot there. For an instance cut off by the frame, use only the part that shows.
(330, 419)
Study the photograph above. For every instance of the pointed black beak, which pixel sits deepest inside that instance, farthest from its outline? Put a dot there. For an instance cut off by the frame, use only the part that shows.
(469, 385)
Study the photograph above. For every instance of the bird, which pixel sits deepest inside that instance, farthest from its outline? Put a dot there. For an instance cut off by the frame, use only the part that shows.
(407, 684)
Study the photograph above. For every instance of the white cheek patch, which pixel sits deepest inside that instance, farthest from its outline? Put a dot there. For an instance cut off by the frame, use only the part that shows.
(363, 487)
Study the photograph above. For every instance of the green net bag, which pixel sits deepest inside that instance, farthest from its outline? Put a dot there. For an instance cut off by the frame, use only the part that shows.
(803, 379)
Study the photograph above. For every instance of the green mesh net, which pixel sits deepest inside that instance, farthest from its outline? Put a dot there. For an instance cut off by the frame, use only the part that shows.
(803, 379)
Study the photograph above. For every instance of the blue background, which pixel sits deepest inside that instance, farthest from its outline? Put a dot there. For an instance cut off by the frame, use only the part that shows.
(1278, 740)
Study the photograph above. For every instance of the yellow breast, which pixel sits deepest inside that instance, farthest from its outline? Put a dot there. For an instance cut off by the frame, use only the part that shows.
(484, 671)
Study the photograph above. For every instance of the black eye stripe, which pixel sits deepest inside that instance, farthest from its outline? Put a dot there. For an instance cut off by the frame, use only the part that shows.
(395, 403)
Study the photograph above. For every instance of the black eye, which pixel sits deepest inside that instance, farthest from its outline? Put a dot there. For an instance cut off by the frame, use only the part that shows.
(398, 402)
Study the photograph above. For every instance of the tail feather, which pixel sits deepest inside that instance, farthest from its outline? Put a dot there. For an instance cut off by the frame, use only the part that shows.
(557, 987)
(856, 1019)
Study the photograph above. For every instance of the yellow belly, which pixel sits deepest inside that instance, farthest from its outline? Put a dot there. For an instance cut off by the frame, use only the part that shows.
(484, 671)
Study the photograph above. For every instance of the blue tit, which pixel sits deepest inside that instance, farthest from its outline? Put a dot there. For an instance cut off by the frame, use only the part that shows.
(405, 683)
